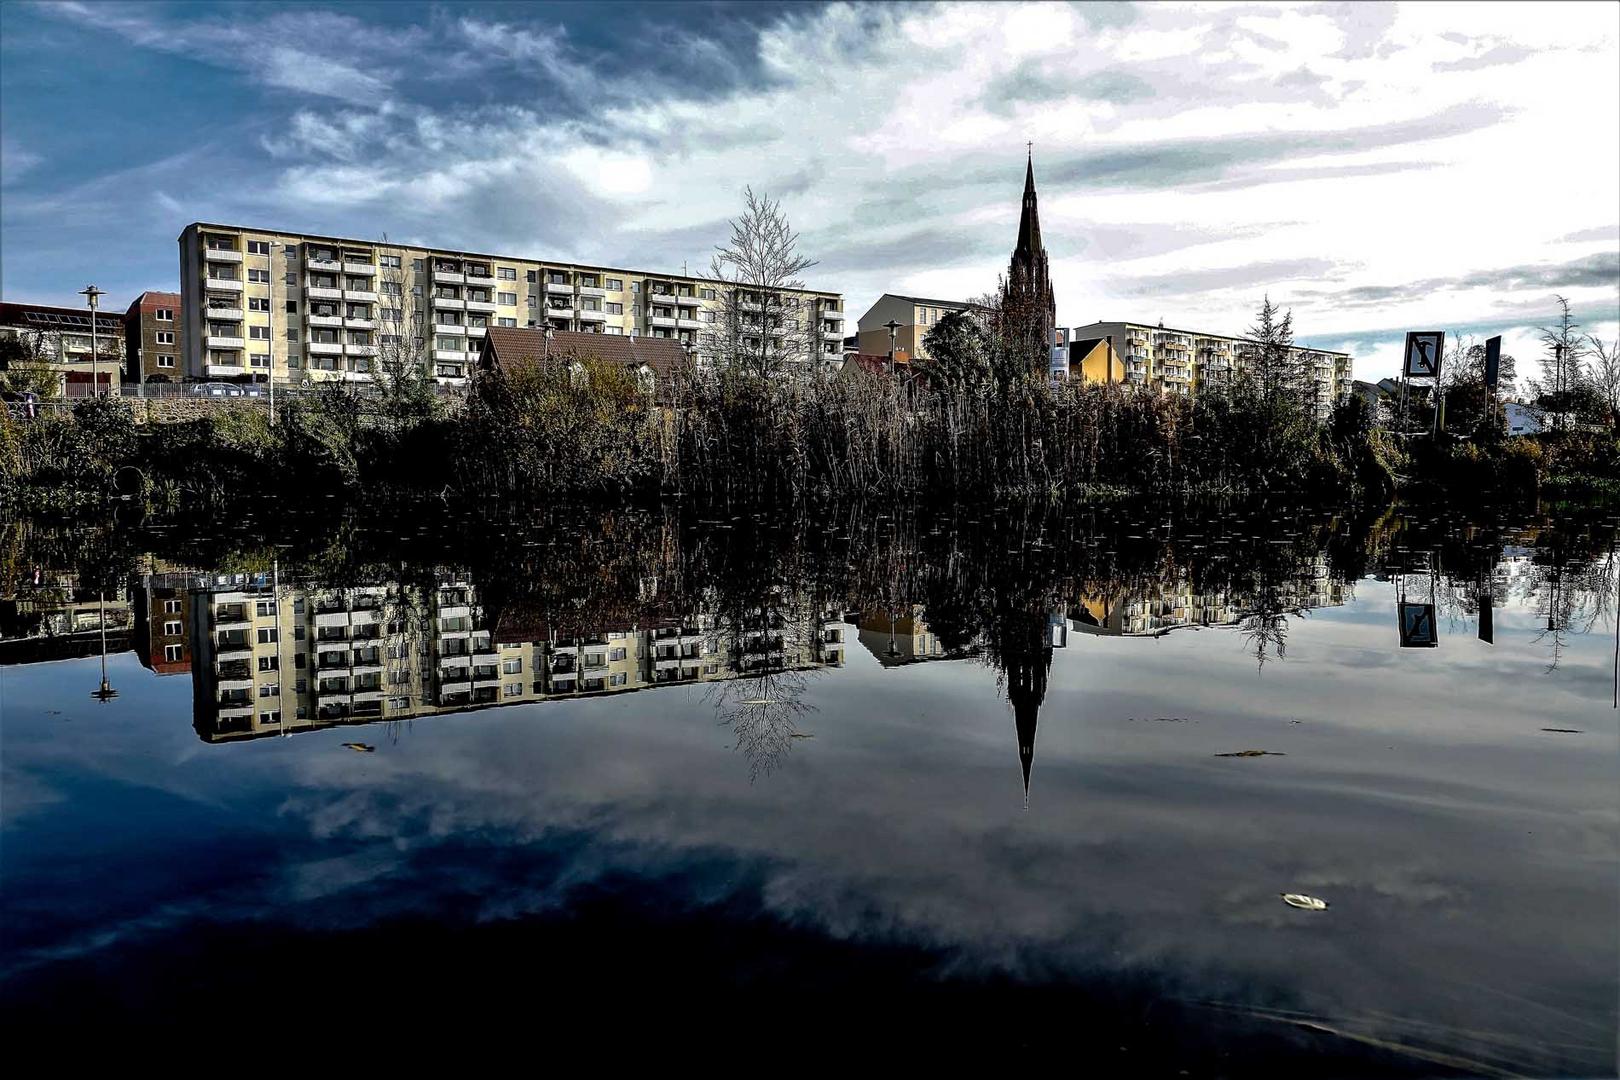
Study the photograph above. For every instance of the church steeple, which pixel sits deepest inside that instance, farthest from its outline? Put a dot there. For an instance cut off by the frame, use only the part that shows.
(1028, 307)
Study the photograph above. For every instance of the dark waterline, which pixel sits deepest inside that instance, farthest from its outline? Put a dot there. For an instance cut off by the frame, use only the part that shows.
(1034, 840)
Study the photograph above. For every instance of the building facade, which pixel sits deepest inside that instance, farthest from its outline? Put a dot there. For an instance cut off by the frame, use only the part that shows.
(916, 316)
(1174, 361)
(152, 338)
(307, 308)
(83, 350)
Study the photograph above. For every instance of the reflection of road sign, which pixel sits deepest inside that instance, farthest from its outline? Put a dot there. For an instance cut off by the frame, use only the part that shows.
(1487, 631)
(1417, 626)
(1493, 359)
(1423, 354)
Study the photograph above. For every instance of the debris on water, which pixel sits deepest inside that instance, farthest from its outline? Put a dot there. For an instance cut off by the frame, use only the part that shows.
(1253, 753)
(802, 735)
(1296, 721)
(1564, 730)
(360, 747)
(1300, 900)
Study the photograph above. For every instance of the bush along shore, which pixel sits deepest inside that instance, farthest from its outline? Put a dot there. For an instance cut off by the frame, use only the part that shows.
(968, 425)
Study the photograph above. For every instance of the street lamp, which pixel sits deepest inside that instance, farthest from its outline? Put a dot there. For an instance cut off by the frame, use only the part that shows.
(104, 693)
(91, 295)
(893, 326)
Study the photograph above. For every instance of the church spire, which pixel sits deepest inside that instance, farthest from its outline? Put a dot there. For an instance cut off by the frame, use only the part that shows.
(1028, 308)
(1029, 223)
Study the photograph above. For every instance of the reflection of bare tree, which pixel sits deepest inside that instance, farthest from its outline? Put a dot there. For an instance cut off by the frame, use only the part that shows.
(763, 712)
(1266, 631)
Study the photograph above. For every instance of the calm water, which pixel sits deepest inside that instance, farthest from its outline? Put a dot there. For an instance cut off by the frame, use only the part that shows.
(961, 784)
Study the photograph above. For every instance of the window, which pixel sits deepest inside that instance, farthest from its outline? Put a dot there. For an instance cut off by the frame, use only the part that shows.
(615, 309)
(507, 299)
(172, 653)
(298, 635)
(171, 607)
(391, 288)
(270, 690)
(272, 717)
(291, 279)
(171, 629)
(259, 359)
(258, 247)
(165, 337)
(506, 273)
(617, 654)
(267, 635)
(262, 277)
(615, 284)
(613, 330)
(389, 262)
(706, 316)
(418, 265)
(505, 322)
(292, 333)
(164, 314)
(513, 689)
(399, 703)
(292, 307)
(532, 276)
(258, 303)
(618, 679)
(707, 294)
(263, 608)
(259, 333)
(511, 667)
(269, 663)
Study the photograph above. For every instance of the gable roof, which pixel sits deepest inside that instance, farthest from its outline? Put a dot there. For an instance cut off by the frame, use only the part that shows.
(960, 305)
(509, 344)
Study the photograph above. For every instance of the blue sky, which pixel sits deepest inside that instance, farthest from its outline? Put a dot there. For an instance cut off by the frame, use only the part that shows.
(1375, 167)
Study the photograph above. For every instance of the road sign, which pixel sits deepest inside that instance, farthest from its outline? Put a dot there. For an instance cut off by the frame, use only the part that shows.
(1423, 354)
(1493, 359)
(1417, 626)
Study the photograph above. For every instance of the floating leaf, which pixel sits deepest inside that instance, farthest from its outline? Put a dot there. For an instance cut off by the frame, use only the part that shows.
(360, 747)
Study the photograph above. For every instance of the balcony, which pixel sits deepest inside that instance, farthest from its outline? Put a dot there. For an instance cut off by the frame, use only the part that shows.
(662, 320)
(218, 342)
(222, 284)
(360, 324)
(332, 618)
(832, 335)
(224, 314)
(450, 355)
(559, 313)
(455, 611)
(689, 324)
(688, 301)
(587, 315)
(557, 287)
(222, 255)
(475, 331)
(447, 277)
(359, 350)
(449, 303)
(322, 292)
(591, 290)
(360, 269)
(324, 348)
(323, 264)
(487, 307)
(324, 320)
(366, 296)
(224, 370)
(832, 315)
(449, 328)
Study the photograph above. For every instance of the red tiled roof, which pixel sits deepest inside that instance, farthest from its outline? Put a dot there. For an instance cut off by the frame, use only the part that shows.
(507, 344)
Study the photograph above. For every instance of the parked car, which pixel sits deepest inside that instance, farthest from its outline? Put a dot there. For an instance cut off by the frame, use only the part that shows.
(216, 389)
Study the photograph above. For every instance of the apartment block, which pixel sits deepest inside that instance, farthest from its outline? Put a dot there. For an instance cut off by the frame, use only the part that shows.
(309, 307)
(269, 659)
(1176, 361)
(916, 316)
(152, 338)
(84, 349)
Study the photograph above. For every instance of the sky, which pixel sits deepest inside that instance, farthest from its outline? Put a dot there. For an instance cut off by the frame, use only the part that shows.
(1376, 168)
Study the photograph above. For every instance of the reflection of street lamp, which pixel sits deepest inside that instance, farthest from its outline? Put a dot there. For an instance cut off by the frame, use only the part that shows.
(893, 326)
(92, 294)
(104, 693)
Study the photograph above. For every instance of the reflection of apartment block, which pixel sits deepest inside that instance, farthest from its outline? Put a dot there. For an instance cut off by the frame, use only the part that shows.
(161, 626)
(310, 659)
(1176, 604)
(321, 307)
(57, 620)
(1183, 361)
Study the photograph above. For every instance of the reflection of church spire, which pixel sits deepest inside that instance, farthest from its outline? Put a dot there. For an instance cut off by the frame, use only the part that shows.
(1026, 689)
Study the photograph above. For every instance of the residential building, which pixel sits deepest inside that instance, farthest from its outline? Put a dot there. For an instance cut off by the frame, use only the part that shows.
(897, 638)
(651, 360)
(1175, 361)
(152, 338)
(312, 307)
(82, 349)
(916, 315)
(1085, 359)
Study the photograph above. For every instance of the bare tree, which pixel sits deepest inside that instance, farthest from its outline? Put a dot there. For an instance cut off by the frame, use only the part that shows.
(1561, 366)
(762, 327)
(1604, 374)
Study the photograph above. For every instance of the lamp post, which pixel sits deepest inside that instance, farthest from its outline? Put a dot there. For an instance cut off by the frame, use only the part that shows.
(892, 326)
(92, 295)
(104, 693)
